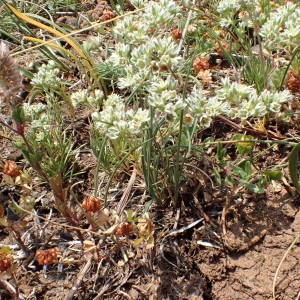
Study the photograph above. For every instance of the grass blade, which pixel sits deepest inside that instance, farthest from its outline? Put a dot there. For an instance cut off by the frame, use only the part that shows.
(293, 167)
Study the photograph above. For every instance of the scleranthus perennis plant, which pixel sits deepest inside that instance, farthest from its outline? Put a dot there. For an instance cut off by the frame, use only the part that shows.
(167, 114)
(39, 130)
(282, 29)
(242, 101)
(145, 55)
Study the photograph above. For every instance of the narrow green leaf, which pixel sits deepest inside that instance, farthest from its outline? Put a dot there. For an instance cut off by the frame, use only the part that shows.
(293, 167)
(273, 175)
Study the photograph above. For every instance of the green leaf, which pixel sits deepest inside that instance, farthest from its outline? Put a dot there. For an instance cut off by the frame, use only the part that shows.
(217, 175)
(243, 147)
(221, 152)
(18, 115)
(243, 170)
(5, 250)
(273, 175)
(293, 167)
(229, 181)
(256, 188)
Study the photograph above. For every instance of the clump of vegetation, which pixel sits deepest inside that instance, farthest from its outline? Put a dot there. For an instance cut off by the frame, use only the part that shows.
(153, 97)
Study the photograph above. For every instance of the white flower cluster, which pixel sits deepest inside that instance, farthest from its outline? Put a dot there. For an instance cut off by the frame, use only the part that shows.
(202, 109)
(115, 121)
(144, 53)
(33, 111)
(42, 123)
(85, 97)
(162, 93)
(282, 29)
(228, 9)
(39, 120)
(92, 43)
(148, 59)
(159, 13)
(243, 101)
(138, 3)
(143, 48)
(47, 77)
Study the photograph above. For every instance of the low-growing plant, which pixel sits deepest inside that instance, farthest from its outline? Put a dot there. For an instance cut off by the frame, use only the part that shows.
(157, 106)
(41, 138)
(175, 103)
(175, 113)
(240, 174)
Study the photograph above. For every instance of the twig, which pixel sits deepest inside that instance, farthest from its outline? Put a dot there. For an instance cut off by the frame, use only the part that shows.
(246, 246)
(124, 278)
(186, 27)
(18, 237)
(101, 234)
(174, 233)
(10, 289)
(202, 212)
(281, 262)
(248, 130)
(81, 275)
(124, 199)
(224, 213)
(177, 217)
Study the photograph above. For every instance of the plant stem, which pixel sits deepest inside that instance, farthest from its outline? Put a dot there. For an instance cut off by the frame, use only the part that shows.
(177, 171)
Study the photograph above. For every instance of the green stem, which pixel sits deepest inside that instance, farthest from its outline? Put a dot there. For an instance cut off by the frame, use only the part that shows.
(288, 66)
(177, 171)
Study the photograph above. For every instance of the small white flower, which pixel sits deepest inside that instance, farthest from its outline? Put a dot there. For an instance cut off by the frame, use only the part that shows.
(92, 43)
(234, 92)
(79, 97)
(138, 3)
(160, 13)
(33, 111)
(282, 29)
(141, 116)
(47, 76)
(96, 98)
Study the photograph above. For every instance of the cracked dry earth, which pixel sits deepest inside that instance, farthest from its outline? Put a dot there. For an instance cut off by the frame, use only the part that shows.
(250, 273)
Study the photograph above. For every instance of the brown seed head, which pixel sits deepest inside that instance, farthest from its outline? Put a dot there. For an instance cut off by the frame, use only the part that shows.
(150, 30)
(163, 68)
(200, 64)
(124, 229)
(91, 204)
(176, 34)
(10, 78)
(5, 262)
(10, 168)
(107, 15)
(46, 257)
(293, 82)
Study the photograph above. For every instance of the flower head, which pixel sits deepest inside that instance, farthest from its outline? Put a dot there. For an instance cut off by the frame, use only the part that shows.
(47, 77)
(10, 78)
